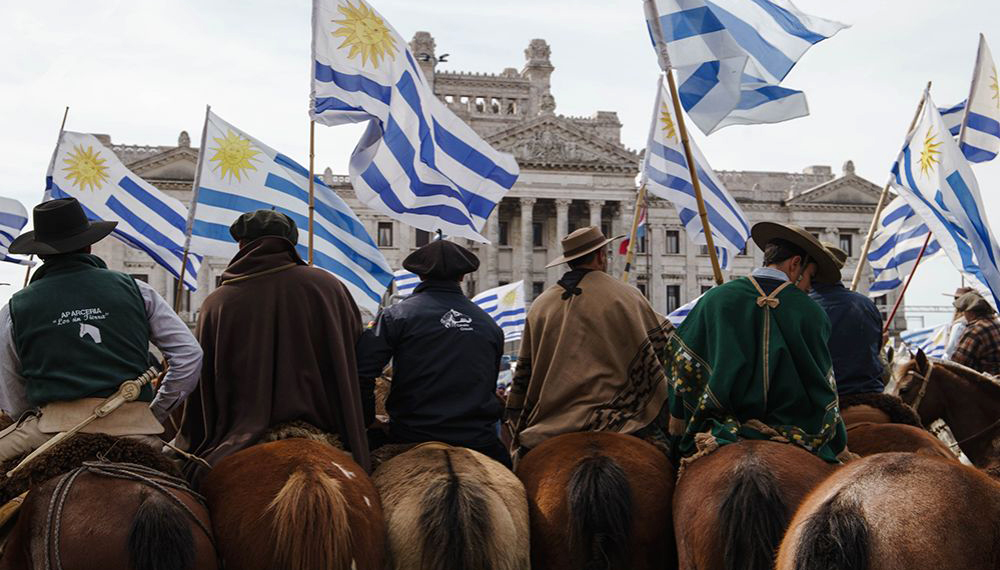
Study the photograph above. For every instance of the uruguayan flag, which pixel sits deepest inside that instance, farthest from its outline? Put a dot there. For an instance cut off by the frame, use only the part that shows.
(938, 183)
(931, 340)
(731, 56)
(417, 162)
(13, 218)
(665, 173)
(680, 313)
(240, 174)
(981, 139)
(148, 219)
(952, 117)
(406, 282)
(898, 239)
(506, 305)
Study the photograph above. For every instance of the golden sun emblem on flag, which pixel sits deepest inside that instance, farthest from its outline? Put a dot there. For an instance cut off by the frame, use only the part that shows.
(996, 88)
(929, 154)
(85, 167)
(509, 299)
(365, 33)
(233, 156)
(668, 123)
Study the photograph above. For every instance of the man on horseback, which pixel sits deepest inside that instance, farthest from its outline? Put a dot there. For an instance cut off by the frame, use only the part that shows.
(72, 336)
(279, 340)
(590, 354)
(855, 334)
(751, 359)
(445, 354)
(979, 346)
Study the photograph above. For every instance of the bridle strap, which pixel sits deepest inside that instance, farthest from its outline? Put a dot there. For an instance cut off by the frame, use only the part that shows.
(924, 382)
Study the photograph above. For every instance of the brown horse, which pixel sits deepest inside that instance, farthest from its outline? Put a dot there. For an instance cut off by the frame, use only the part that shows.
(451, 508)
(969, 402)
(731, 506)
(113, 516)
(295, 504)
(598, 501)
(897, 511)
(867, 438)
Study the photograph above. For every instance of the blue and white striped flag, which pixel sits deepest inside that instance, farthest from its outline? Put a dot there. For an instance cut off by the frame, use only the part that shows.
(665, 173)
(417, 162)
(406, 282)
(13, 218)
(936, 180)
(898, 239)
(981, 139)
(240, 174)
(677, 316)
(148, 219)
(932, 340)
(952, 117)
(731, 56)
(506, 305)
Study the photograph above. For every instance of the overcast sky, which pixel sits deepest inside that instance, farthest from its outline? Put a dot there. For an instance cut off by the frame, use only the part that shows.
(142, 71)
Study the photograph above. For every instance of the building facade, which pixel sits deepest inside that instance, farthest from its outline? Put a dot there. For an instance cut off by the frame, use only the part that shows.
(575, 172)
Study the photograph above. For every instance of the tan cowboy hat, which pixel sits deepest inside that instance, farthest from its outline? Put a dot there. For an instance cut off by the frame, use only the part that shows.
(827, 270)
(838, 254)
(580, 243)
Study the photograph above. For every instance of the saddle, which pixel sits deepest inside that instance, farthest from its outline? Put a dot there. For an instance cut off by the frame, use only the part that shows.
(877, 408)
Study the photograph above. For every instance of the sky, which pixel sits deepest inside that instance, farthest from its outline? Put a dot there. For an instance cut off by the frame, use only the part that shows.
(143, 71)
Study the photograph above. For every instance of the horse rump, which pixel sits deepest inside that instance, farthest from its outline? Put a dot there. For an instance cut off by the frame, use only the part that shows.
(456, 522)
(835, 537)
(753, 517)
(600, 506)
(310, 523)
(160, 537)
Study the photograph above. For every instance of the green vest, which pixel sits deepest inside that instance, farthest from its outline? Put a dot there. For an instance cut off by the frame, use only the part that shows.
(80, 330)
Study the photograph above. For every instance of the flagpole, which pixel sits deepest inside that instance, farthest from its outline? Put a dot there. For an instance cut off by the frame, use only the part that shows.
(62, 126)
(888, 321)
(190, 221)
(972, 91)
(881, 205)
(312, 196)
(640, 199)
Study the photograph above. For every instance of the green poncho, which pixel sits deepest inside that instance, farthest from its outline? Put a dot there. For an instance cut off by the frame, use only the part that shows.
(741, 369)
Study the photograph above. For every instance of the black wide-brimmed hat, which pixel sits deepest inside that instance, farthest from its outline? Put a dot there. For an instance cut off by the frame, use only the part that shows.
(441, 259)
(60, 227)
(826, 264)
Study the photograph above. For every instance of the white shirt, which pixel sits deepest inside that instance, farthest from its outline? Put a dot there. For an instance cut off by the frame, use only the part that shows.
(167, 332)
(770, 273)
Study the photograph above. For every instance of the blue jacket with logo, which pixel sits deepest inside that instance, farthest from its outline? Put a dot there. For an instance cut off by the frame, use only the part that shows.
(855, 339)
(445, 354)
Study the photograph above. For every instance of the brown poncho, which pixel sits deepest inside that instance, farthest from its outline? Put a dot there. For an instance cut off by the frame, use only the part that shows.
(279, 340)
(589, 361)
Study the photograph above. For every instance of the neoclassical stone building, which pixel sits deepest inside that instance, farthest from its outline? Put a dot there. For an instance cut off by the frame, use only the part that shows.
(575, 171)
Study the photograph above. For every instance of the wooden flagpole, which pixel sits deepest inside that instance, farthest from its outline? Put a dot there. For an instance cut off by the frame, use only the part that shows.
(312, 196)
(62, 127)
(881, 205)
(640, 201)
(179, 291)
(899, 300)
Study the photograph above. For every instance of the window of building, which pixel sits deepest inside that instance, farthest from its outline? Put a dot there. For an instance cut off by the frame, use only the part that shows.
(703, 249)
(673, 241)
(705, 288)
(641, 286)
(218, 281)
(480, 104)
(538, 234)
(185, 304)
(536, 288)
(385, 234)
(743, 251)
(640, 244)
(503, 282)
(144, 277)
(504, 231)
(847, 244)
(422, 238)
(606, 228)
(673, 298)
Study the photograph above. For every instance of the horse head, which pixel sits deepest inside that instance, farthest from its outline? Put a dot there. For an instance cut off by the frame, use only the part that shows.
(920, 386)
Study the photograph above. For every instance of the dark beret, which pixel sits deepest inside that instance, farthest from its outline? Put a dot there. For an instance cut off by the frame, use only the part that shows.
(442, 260)
(260, 223)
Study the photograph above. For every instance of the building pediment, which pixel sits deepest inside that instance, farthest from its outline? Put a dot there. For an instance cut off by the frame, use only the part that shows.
(848, 190)
(177, 163)
(551, 142)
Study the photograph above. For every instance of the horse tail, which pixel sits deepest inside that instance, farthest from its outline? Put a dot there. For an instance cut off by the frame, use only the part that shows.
(160, 537)
(310, 523)
(600, 506)
(835, 537)
(456, 522)
(753, 518)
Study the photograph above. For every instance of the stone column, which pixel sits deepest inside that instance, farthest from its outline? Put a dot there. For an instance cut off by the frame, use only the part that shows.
(595, 212)
(625, 213)
(492, 250)
(691, 288)
(527, 243)
(657, 288)
(555, 247)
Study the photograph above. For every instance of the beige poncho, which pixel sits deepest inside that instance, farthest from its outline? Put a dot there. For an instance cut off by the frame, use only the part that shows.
(589, 361)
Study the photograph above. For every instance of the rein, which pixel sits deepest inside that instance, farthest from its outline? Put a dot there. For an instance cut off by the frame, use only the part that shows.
(925, 380)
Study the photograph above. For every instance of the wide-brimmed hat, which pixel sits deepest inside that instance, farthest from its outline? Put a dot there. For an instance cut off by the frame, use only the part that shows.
(959, 292)
(260, 223)
(581, 242)
(441, 259)
(61, 226)
(826, 265)
(838, 254)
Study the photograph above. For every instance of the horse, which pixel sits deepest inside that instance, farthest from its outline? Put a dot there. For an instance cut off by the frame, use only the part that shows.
(295, 504)
(731, 506)
(599, 501)
(966, 400)
(451, 508)
(880, 423)
(114, 516)
(897, 511)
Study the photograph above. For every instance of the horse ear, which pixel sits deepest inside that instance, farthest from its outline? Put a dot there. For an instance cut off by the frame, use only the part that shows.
(922, 363)
(890, 354)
